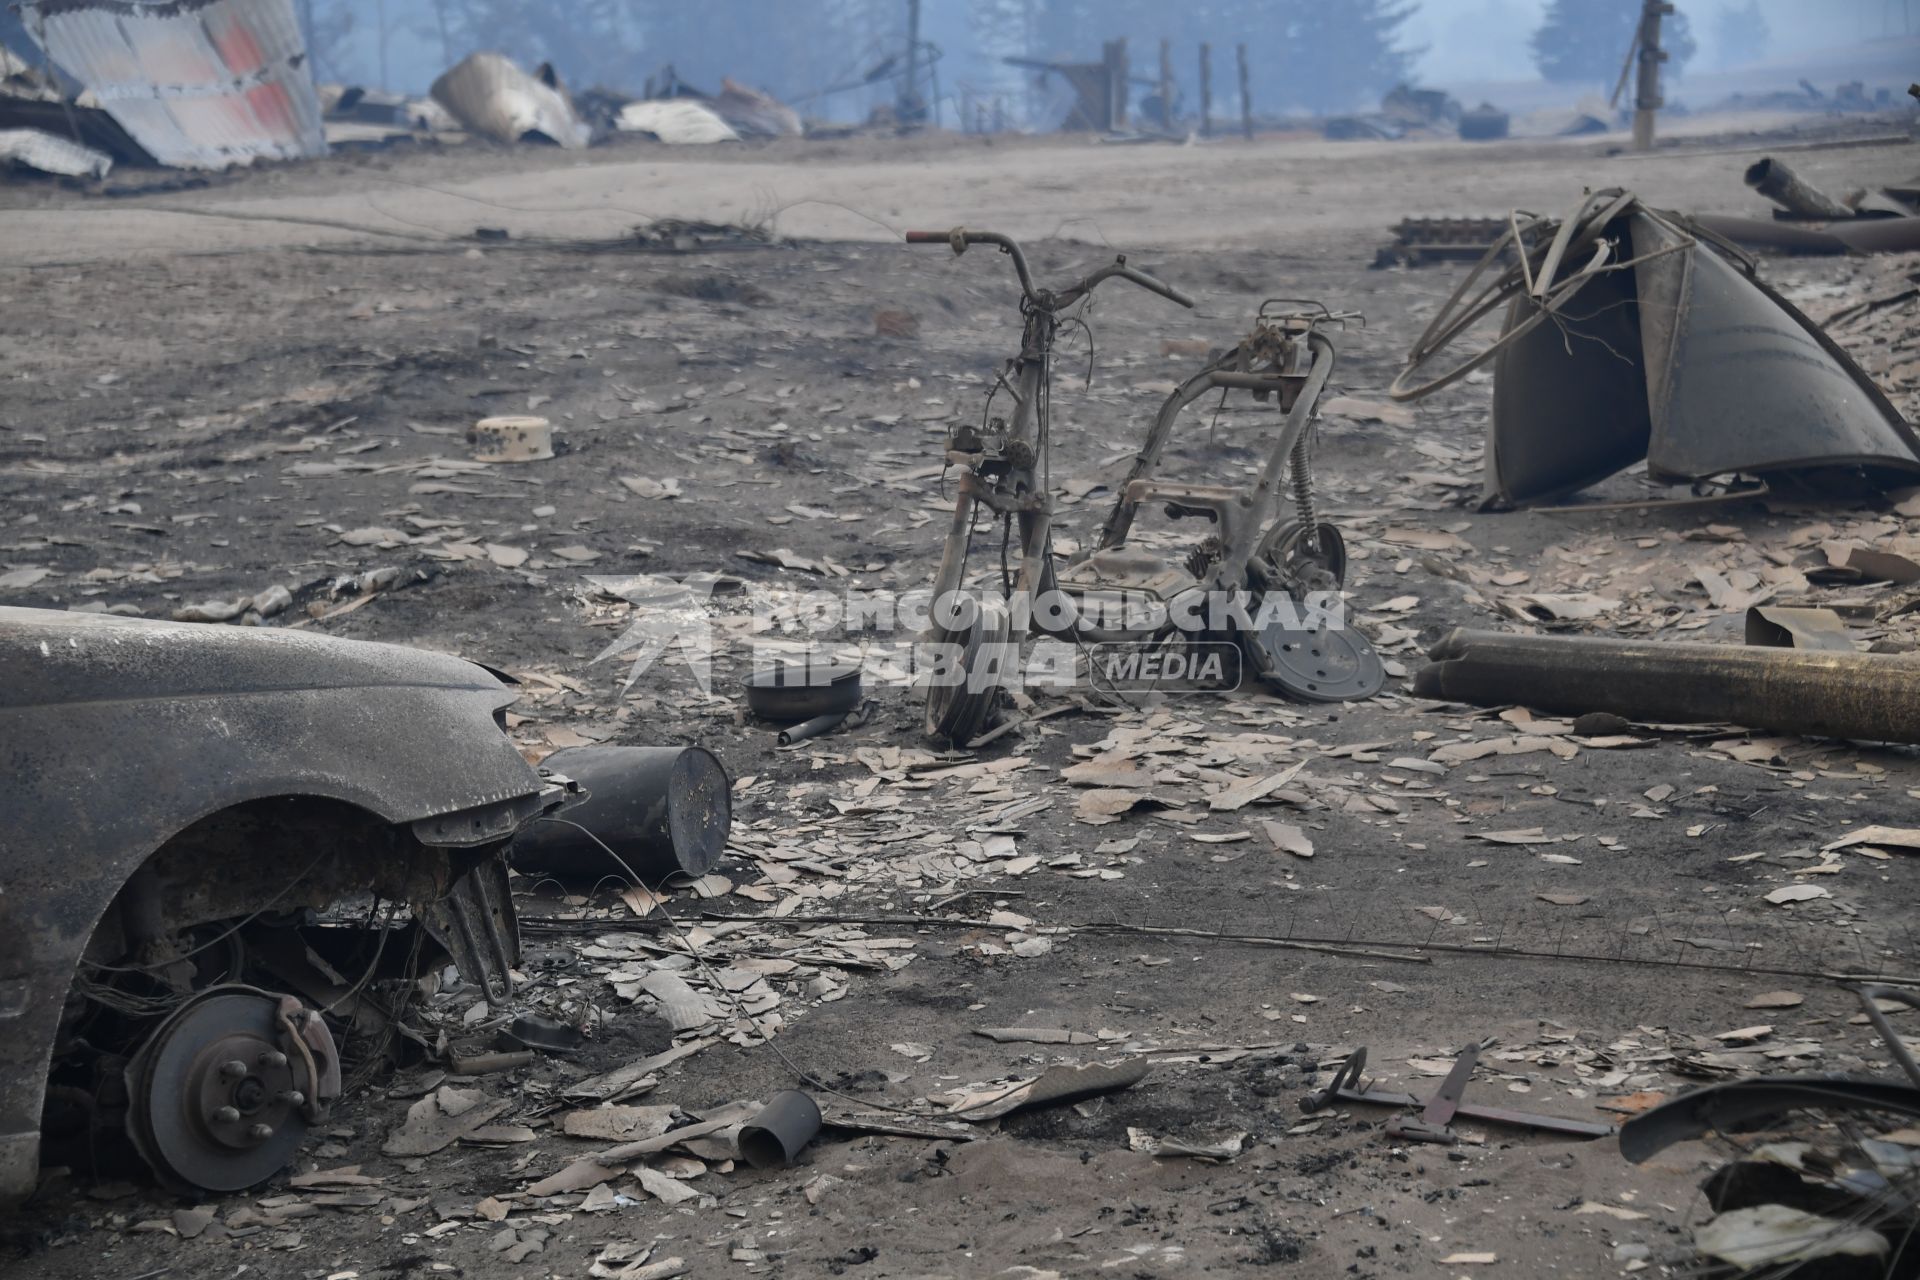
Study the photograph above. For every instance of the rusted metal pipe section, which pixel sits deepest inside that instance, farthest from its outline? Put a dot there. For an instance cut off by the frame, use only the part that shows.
(663, 810)
(1782, 237)
(1878, 235)
(1871, 696)
(1774, 180)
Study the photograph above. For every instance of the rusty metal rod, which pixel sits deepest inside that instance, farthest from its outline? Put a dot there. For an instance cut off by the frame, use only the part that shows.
(1774, 180)
(1841, 695)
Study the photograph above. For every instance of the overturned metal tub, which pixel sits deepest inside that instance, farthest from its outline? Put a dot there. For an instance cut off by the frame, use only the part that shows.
(650, 812)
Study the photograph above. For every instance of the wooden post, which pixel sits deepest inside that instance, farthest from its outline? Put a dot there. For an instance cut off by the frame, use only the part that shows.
(1166, 83)
(1246, 96)
(908, 107)
(1646, 98)
(1206, 91)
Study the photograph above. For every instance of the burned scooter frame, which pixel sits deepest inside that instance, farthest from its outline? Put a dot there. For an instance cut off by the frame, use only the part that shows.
(1005, 466)
(1005, 469)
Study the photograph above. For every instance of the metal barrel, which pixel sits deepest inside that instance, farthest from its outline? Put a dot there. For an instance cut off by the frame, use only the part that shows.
(784, 1126)
(663, 810)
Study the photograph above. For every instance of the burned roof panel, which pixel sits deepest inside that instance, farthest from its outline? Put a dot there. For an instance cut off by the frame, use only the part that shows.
(202, 84)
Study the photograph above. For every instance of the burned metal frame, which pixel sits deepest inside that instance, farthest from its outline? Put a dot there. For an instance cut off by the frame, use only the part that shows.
(1009, 475)
(1676, 353)
(1349, 1086)
(174, 785)
(1005, 467)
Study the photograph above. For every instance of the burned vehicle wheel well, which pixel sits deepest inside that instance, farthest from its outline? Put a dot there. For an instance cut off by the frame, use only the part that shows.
(273, 856)
(295, 893)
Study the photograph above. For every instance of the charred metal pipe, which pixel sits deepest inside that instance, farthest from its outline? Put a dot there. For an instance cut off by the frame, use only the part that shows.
(784, 1126)
(1879, 235)
(663, 810)
(1870, 696)
(1774, 180)
(1764, 233)
(814, 728)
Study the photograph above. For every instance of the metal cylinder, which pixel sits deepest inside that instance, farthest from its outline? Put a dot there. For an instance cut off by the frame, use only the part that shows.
(1762, 233)
(1879, 235)
(813, 728)
(1841, 695)
(1774, 180)
(663, 810)
(784, 1126)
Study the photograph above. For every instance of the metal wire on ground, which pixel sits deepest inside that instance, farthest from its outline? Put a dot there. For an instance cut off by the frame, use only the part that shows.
(800, 1073)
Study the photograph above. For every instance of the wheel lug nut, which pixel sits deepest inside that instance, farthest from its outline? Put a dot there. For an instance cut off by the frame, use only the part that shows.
(233, 1069)
(260, 1132)
(294, 1098)
(227, 1115)
(273, 1058)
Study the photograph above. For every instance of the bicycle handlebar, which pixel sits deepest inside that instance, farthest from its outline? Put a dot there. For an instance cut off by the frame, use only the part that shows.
(959, 238)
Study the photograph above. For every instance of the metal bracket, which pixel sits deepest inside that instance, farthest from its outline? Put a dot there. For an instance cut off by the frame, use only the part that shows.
(1347, 1087)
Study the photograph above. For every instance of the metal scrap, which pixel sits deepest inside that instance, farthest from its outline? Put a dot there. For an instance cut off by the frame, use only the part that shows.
(1349, 1086)
(1684, 358)
(491, 96)
(200, 84)
(1869, 696)
(1777, 182)
(36, 149)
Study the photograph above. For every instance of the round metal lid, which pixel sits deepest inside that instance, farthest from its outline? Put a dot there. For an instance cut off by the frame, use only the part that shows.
(1323, 665)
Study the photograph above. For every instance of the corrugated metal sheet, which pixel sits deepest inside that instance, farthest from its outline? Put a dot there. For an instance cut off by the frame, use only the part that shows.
(202, 84)
(48, 154)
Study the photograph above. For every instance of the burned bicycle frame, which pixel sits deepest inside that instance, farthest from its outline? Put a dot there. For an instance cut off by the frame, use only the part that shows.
(1005, 467)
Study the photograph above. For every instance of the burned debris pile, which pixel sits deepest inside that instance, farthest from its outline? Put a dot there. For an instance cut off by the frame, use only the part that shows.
(682, 751)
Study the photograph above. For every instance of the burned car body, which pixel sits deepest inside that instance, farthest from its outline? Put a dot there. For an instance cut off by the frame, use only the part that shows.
(174, 791)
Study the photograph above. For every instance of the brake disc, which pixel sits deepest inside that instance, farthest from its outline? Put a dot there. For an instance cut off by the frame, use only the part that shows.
(220, 1094)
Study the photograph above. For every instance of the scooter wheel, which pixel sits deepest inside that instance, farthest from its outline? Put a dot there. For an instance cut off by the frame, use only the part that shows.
(961, 701)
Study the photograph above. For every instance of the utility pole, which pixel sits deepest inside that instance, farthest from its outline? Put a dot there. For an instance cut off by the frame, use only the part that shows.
(1166, 83)
(380, 16)
(1206, 91)
(1246, 96)
(1646, 97)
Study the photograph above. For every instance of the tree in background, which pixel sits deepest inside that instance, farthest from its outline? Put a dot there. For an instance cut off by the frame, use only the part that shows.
(1586, 41)
(589, 42)
(1340, 56)
(1320, 55)
(1740, 33)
